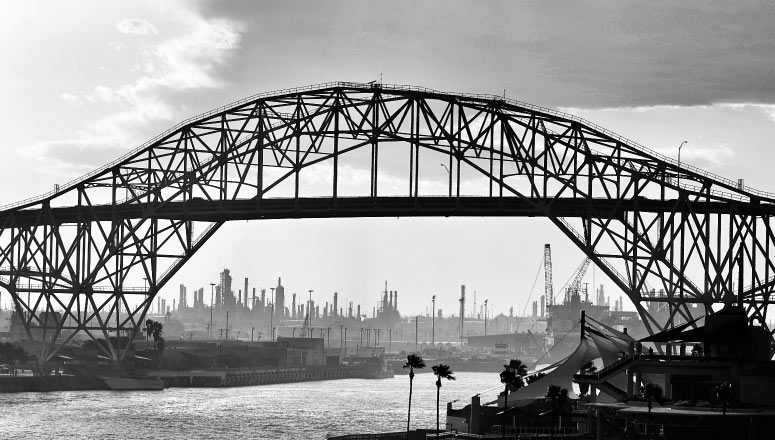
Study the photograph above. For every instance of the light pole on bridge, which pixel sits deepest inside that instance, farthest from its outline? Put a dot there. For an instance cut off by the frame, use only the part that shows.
(449, 174)
(679, 162)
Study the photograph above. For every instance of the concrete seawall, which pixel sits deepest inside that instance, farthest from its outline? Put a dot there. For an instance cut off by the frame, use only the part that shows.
(50, 383)
(250, 377)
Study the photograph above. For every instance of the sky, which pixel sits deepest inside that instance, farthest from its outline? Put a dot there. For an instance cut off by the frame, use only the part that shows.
(83, 82)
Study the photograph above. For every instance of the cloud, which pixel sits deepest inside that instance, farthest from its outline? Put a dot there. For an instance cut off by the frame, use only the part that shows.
(70, 98)
(767, 109)
(571, 54)
(136, 27)
(181, 64)
(70, 158)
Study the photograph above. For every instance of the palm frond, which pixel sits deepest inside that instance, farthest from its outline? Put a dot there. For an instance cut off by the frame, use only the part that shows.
(443, 372)
(414, 361)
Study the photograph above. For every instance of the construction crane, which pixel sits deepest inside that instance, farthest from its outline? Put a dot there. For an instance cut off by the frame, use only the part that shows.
(548, 288)
(575, 286)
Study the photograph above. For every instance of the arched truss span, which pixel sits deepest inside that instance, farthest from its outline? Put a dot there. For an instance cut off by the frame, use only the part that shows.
(672, 237)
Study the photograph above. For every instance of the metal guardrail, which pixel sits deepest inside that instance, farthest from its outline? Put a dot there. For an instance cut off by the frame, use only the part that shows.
(534, 430)
(381, 436)
(389, 87)
(460, 435)
(612, 367)
(607, 369)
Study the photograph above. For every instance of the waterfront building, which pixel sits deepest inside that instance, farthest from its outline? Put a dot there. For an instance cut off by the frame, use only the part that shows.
(663, 386)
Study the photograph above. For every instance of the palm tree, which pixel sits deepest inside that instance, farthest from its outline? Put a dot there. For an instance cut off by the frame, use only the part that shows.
(725, 394)
(512, 378)
(442, 372)
(413, 362)
(155, 329)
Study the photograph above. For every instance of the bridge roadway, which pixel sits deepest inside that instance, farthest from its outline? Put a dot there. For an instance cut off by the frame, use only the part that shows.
(328, 207)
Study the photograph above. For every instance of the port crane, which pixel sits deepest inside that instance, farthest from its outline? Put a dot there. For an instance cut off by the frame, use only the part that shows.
(575, 286)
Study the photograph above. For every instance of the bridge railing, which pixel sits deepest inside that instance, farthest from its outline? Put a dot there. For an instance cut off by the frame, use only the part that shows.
(488, 97)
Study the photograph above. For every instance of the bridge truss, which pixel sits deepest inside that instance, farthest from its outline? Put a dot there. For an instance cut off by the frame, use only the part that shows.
(666, 234)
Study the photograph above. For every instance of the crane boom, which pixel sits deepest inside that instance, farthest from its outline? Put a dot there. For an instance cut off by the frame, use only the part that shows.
(548, 288)
(580, 272)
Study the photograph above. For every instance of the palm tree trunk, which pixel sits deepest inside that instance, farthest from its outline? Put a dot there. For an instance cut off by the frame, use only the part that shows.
(438, 391)
(505, 405)
(409, 416)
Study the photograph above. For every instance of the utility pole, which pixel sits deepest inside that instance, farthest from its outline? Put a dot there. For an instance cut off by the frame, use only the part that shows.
(462, 311)
(485, 317)
(433, 321)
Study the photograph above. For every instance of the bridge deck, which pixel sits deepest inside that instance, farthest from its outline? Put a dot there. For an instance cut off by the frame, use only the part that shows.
(328, 207)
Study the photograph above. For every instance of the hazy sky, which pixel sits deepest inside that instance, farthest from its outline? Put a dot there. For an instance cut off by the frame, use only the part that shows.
(84, 81)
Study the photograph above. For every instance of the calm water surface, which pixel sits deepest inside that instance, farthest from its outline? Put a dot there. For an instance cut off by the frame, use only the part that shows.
(309, 410)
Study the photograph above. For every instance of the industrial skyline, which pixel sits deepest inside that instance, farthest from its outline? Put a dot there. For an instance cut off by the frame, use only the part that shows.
(127, 72)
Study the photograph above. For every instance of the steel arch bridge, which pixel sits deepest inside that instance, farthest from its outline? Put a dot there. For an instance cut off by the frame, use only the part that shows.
(664, 232)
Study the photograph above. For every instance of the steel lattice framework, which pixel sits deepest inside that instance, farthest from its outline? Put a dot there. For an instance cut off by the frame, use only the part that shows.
(664, 232)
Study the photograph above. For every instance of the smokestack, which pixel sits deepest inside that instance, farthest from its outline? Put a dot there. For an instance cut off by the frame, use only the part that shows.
(601, 296)
(543, 305)
(336, 303)
(535, 308)
(359, 312)
(395, 299)
(391, 299)
(253, 305)
(293, 307)
(263, 297)
(246, 292)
